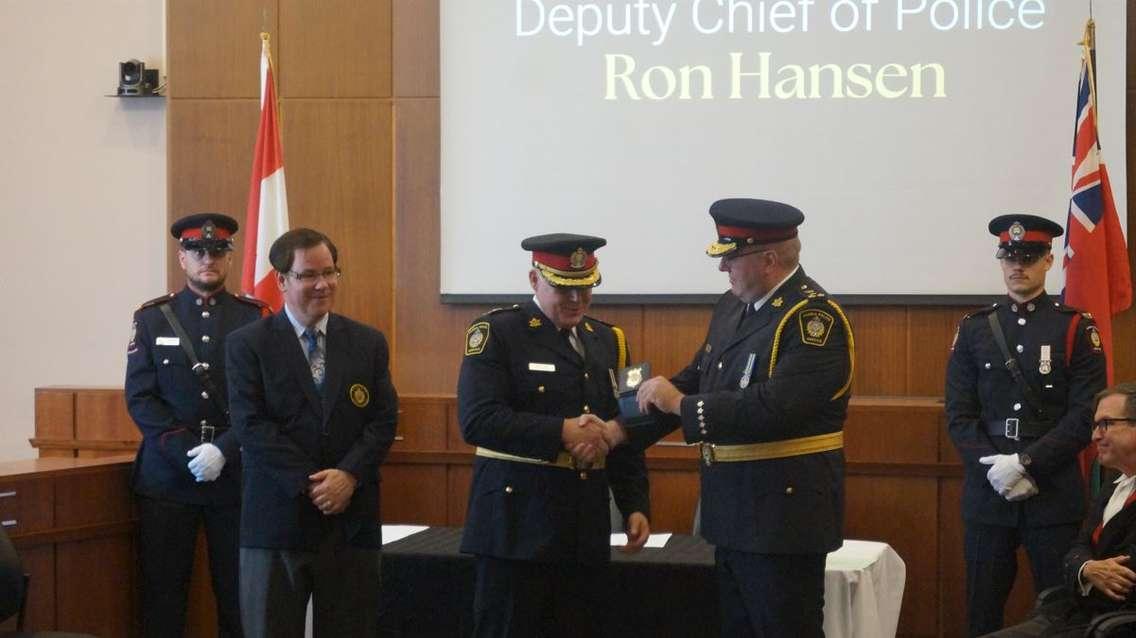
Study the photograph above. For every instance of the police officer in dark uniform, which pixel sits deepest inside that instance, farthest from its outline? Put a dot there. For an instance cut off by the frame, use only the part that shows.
(188, 467)
(765, 398)
(1019, 399)
(535, 390)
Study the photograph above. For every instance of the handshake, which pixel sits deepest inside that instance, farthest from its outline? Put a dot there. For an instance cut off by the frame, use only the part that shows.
(1008, 477)
(589, 438)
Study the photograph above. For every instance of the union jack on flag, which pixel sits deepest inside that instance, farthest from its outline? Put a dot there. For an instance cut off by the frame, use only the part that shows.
(1097, 279)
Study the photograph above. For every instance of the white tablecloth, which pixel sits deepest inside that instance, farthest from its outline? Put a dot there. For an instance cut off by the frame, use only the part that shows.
(863, 590)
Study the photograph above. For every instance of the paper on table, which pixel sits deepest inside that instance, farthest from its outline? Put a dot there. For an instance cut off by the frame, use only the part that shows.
(655, 541)
(392, 533)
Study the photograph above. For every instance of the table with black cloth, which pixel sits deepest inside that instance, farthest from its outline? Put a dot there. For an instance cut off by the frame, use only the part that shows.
(428, 588)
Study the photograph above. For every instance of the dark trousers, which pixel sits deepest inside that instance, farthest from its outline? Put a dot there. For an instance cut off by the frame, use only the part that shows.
(992, 565)
(167, 541)
(770, 595)
(1060, 619)
(521, 599)
(341, 580)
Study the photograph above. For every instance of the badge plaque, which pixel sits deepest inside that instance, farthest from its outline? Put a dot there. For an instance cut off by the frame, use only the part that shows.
(629, 380)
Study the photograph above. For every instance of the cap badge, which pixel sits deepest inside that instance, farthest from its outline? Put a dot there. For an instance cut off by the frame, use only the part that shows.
(1017, 231)
(534, 322)
(578, 258)
(207, 230)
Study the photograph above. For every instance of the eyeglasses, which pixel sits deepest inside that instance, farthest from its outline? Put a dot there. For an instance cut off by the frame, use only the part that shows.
(199, 253)
(331, 275)
(1104, 424)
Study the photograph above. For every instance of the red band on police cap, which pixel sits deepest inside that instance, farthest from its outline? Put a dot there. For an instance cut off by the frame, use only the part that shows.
(563, 262)
(762, 235)
(195, 234)
(1029, 235)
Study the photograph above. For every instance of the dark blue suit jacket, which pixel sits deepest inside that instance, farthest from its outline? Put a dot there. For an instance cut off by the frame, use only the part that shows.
(288, 429)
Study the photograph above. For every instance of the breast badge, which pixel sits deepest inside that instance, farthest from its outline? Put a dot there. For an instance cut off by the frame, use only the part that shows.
(359, 395)
(815, 325)
(476, 338)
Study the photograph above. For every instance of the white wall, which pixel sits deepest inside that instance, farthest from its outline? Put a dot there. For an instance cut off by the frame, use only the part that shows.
(82, 197)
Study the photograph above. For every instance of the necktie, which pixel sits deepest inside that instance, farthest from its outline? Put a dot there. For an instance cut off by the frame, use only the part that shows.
(315, 356)
(747, 310)
(573, 341)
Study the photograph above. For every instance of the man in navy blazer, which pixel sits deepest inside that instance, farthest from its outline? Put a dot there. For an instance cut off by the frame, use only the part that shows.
(314, 409)
(1098, 570)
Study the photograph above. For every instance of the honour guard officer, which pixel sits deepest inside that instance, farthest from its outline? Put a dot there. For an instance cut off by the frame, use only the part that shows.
(535, 388)
(765, 398)
(1019, 399)
(188, 467)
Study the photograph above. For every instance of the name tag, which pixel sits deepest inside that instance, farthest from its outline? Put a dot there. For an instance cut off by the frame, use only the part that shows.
(542, 367)
(167, 341)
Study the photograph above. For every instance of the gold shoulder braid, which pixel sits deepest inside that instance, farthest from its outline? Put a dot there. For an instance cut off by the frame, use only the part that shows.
(847, 331)
(621, 345)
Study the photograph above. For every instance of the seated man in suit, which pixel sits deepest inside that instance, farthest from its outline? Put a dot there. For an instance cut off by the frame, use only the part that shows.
(314, 410)
(1099, 571)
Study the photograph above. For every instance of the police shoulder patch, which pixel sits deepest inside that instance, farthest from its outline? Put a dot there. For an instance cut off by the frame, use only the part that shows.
(815, 326)
(476, 338)
(1094, 338)
(132, 346)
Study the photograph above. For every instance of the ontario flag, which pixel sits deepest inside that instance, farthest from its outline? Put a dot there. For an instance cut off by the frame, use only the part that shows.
(267, 214)
(1097, 279)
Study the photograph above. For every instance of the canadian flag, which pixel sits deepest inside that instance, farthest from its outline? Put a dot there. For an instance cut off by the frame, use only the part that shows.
(267, 214)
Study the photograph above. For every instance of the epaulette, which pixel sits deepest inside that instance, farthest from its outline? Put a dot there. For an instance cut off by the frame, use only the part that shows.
(252, 301)
(502, 309)
(981, 312)
(1070, 310)
(158, 301)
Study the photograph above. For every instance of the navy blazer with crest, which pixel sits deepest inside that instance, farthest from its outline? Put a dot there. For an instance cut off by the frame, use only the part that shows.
(288, 429)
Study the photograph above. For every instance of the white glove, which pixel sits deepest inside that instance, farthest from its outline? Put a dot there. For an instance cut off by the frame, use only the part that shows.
(1005, 470)
(1020, 491)
(207, 462)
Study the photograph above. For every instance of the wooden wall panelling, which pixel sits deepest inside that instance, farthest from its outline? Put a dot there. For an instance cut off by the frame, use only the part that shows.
(906, 431)
(454, 440)
(881, 350)
(101, 415)
(952, 569)
(458, 480)
(55, 417)
(893, 510)
(214, 49)
(422, 423)
(95, 585)
(429, 335)
(210, 144)
(335, 48)
(415, 48)
(671, 336)
(930, 331)
(674, 495)
(413, 493)
(339, 182)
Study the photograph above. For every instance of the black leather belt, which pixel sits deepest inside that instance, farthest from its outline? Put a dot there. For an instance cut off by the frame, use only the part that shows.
(1017, 429)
